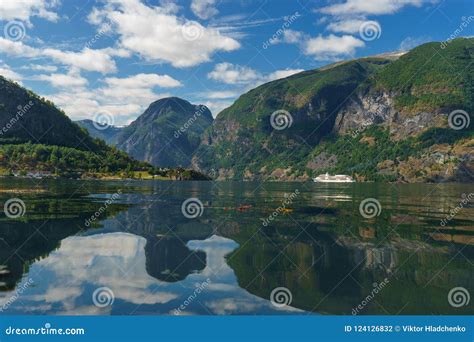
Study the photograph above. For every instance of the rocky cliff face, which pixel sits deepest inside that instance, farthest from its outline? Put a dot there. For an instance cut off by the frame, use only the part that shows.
(378, 108)
(439, 162)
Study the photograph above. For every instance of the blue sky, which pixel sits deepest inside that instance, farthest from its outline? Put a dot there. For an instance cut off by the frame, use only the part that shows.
(115, 57)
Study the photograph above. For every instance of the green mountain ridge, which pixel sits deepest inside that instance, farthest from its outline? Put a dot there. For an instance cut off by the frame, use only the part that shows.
(375, 118)
(26, 117)
(37, 136)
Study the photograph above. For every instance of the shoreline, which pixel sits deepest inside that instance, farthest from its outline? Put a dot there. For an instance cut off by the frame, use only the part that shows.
(161, 178)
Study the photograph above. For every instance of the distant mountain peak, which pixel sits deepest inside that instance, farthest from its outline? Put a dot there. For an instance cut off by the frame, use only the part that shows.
(107, 133)
(169, 99)
(95, 123)
(167, 133)
(178, 105)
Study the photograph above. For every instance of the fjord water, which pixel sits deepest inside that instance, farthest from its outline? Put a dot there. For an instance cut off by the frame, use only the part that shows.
(153, 258)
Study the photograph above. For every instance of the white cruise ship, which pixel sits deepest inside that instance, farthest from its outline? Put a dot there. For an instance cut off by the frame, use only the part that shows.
(327, 178)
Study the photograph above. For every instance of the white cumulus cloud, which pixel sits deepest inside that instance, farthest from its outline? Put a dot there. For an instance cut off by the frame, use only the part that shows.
(323, 48)
(237, 74)
(233, 74)
(204, 9)
(370, 7)
(8, 73)
(25, 9)
(157, 35)
(332, 47)
(143, 81)
(86, 59)
(39, 67)
(71, 79)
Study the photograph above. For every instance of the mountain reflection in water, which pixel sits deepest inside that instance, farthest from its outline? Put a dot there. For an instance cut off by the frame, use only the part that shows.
(142, 283)
(153, 258)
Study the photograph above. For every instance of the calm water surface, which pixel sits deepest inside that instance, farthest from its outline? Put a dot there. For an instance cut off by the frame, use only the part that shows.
(155, 260)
